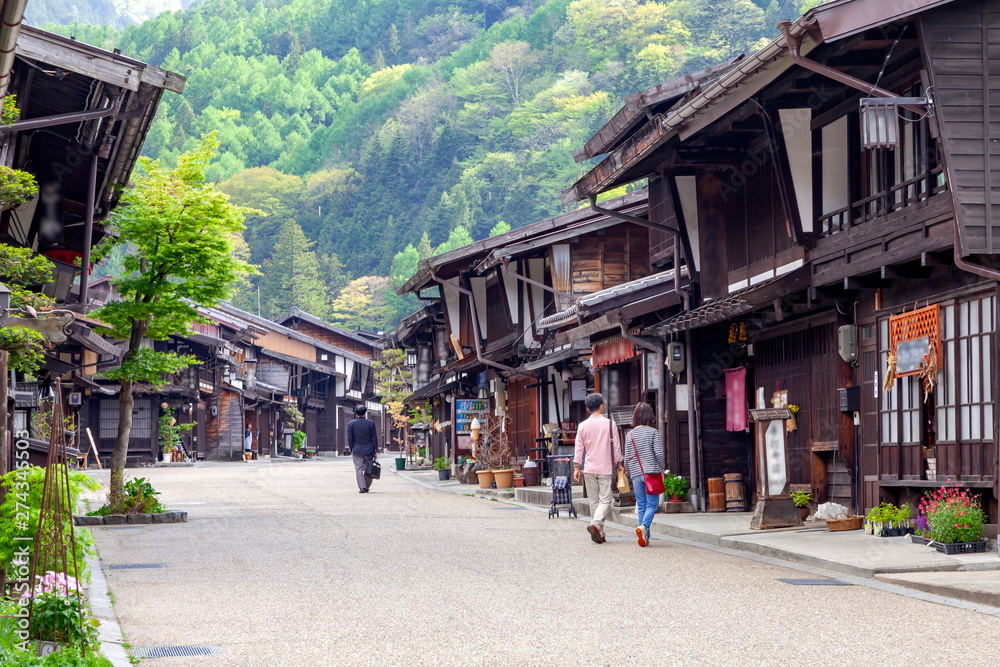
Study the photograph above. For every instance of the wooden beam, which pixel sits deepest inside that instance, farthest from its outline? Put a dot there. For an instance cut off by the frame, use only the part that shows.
(95, 63)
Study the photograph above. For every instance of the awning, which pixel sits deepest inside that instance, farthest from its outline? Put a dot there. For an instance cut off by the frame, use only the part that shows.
(93, 341)
(743, 301)
(435, 387)
(613, 351)
(551, 358)
(87, 383)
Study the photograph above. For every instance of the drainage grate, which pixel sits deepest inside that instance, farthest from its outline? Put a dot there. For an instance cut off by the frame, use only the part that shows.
(509, 508)
(815, 582)
(136, 566)
(120, 528)
(176, 651)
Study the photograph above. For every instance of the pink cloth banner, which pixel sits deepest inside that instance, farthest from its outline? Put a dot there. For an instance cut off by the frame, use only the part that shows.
(737, 412)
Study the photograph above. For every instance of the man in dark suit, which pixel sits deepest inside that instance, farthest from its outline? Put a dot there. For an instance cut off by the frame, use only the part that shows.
(362, 439)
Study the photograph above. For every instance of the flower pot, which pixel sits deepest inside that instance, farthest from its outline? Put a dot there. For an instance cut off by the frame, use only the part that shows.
(401, 463)
(485, 478)
(46, 647)
(803, 512)
(504, 478)
(792, 424)
(444, 475)
(518, 481)
(674, 498)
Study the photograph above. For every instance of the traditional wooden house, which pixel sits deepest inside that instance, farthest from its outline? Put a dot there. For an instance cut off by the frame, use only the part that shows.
(323, 380)
(831, 195)
(350, 341)
(527, 323)
(83, 116)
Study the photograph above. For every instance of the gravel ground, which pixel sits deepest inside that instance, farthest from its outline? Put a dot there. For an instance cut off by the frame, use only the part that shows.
(287, 564)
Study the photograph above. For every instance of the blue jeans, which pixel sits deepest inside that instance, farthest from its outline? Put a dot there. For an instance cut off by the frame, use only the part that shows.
(645, 506)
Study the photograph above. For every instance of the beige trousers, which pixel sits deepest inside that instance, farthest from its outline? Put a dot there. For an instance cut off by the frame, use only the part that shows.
(599, 495)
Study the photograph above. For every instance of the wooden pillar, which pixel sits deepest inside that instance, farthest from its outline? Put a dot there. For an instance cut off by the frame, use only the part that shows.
(712, 236)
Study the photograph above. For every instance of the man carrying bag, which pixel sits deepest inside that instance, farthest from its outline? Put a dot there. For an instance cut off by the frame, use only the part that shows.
(599, 454)
(362, 439)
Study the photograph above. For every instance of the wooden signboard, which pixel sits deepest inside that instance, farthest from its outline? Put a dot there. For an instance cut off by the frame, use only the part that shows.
(774, 508)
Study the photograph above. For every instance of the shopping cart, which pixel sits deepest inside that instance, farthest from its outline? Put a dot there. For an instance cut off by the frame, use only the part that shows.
(562, 487)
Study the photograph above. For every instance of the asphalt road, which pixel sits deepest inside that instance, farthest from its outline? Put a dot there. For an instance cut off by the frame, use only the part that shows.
(287, 564)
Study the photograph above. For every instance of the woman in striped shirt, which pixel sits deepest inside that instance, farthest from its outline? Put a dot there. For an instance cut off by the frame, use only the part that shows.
(643, 445)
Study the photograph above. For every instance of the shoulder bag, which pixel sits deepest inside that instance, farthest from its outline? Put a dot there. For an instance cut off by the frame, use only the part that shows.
(622, 484)
(652, 481)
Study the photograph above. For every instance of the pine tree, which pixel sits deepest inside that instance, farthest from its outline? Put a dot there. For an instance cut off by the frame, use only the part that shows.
(291, 276)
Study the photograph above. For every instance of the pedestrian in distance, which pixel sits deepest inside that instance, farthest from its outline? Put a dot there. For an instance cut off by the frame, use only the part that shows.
(644, 456)
(247, 440)
(362, 439)
(599, 454)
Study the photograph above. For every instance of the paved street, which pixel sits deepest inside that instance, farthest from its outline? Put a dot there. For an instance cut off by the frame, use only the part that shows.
(286, 564)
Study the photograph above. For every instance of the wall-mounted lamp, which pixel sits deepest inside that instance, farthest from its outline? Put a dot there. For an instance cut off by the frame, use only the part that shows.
(880, 120)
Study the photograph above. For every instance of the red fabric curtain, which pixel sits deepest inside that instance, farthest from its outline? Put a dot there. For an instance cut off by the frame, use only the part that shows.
(613, 351)
(737, 412)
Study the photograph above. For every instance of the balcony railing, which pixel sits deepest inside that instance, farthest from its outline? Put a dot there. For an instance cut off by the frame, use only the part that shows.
(899, 196)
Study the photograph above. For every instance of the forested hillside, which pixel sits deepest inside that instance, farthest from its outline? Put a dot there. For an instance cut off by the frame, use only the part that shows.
(370, 132)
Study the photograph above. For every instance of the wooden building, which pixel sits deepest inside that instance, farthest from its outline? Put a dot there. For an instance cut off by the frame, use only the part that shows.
(831, 195)
(525, 324)
(83, 116)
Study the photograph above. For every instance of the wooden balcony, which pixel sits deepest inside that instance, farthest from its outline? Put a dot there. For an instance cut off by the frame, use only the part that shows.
(898, 197)
(872, 242)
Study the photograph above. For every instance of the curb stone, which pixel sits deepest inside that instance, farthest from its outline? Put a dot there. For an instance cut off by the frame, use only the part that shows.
(109, 633)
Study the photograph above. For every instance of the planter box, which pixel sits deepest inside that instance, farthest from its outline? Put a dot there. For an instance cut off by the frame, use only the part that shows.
(919, 539)
(961, 548)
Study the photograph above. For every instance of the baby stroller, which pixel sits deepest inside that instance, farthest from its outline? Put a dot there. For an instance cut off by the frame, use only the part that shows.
(562, 489)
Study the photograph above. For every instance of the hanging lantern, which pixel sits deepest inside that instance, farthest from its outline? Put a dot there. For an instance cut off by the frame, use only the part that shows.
(879, 123)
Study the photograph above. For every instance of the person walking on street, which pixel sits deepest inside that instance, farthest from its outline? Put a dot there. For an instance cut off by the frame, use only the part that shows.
(362, 440)
(599, 454)
(644, 456)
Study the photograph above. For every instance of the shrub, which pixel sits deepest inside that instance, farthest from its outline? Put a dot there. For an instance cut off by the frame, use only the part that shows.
(25, 486)
(442, 463)
(11, 653)
(138, 497)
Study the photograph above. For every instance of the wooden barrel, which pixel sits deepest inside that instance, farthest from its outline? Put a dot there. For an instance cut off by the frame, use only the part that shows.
(716, 494)
(735, 502)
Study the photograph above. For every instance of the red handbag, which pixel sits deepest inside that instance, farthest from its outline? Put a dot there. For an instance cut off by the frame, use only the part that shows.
(652, 481)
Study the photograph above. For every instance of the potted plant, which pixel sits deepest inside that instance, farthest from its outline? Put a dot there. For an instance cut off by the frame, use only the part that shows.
(955, 520)
(443, 466)
(675, 486)
(887, 520)
(802, 500)
(497, 436)
(792, 424)
(298, 439)
(921, 530)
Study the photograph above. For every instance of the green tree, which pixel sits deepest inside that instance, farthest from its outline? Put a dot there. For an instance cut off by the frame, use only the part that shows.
(291, 276)
(274, 198)
(363, 305)
(181, 230)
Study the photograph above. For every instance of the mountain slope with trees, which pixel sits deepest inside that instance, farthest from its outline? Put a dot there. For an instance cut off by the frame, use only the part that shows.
(388, 129)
